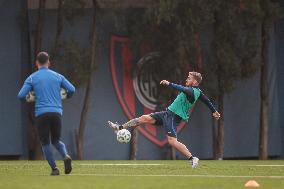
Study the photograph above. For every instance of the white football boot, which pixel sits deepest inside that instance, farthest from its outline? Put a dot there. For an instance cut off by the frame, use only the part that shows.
(114, 126)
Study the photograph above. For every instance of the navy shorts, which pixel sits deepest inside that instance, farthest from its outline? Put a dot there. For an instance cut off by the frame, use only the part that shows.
(168, 120)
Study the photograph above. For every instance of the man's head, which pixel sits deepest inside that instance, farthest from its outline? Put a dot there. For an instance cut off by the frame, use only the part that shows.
(193, 79)
(42, 59)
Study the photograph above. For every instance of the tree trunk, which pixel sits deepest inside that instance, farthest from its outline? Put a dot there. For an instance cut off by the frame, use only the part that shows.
(220, 129)
(214, 138)
(59, 27)
(219, 133)
(80, 136)
(220, 137)
(55, 51)
(263, 131)
(133, 144)
(39, 27)
(33, 138)
(32, 143)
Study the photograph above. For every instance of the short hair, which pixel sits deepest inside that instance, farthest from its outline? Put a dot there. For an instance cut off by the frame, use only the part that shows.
(197, 76)
(42, 58)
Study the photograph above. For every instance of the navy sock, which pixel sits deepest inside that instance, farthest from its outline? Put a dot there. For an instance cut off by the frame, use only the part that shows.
(60, 146)
(48, 155)
(190, 158)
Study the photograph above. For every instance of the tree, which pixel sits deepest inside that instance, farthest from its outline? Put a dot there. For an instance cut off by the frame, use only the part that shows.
(39, 27)
(270, 12)
(235, 48)
(80, 136)
(75, 62)
(33, 138)
(67, 54)
(59, 28)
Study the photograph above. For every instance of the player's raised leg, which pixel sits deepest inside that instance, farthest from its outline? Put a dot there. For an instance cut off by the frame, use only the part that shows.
(183, 149)
(144, 119)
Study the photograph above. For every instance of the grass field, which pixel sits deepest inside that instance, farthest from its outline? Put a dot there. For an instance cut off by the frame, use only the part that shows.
(143, 174)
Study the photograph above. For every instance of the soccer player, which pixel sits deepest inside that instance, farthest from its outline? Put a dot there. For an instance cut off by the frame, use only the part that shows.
(177, 111)
(46, 85)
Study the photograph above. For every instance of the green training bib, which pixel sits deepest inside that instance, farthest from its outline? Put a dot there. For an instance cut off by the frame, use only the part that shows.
(181, 105)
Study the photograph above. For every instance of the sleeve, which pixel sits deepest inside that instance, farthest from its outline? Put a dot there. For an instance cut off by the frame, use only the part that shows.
(186, 90)
(26, 88)
(67, 86)
(206, 101)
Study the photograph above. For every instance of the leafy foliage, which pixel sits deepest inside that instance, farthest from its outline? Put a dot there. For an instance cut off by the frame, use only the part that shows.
(73, 8)
(170, 28)
(68, 56)
(73, 61)
(173, 27)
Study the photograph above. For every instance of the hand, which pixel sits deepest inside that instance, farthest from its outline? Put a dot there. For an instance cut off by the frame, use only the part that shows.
(216, 115)
(164, 82)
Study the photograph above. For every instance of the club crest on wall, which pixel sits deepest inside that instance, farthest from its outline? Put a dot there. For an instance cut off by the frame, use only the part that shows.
(136, 91)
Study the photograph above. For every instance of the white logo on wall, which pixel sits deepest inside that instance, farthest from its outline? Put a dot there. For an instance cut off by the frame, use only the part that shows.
(145, 81)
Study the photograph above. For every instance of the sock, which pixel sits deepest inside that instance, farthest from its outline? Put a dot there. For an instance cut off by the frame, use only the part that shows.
(60, 146)
(190, 158)
(48, 155)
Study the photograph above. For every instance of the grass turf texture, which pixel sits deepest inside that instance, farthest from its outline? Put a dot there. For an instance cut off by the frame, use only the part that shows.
(143, 174)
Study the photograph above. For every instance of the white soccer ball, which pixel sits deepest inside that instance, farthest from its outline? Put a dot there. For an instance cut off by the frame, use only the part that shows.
(123, 136)
(63, 93)
(30, 97)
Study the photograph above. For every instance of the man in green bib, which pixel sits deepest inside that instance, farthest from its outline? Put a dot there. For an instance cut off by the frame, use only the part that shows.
(177, 111)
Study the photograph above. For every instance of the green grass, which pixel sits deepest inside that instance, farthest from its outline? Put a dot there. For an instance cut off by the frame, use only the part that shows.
(165, 174)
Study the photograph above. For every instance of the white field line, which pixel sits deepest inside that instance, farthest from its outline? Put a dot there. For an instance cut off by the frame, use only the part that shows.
(265, 165)
(165, 175)
(121, 164)
(19, 165)
(92, 164)
(129, 164)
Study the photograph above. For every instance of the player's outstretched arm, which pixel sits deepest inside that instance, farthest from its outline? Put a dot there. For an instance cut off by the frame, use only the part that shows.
(209, 104)
(187, 90)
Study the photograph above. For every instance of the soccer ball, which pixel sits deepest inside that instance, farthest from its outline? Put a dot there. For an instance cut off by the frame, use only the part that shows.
(123, 136)
(30, 97)
(63, 93)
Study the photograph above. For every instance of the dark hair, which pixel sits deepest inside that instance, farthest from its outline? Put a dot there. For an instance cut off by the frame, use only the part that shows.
(42, 58)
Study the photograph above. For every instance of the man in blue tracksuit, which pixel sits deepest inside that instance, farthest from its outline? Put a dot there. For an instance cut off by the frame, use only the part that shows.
(46, 85)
